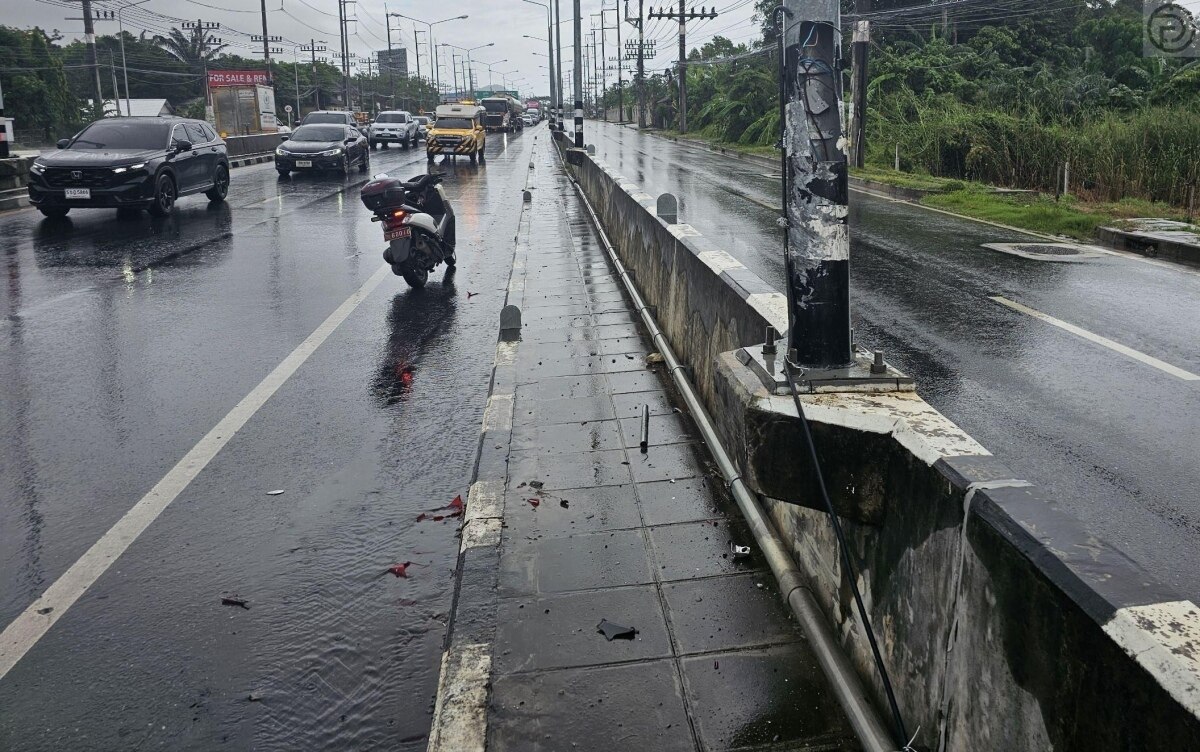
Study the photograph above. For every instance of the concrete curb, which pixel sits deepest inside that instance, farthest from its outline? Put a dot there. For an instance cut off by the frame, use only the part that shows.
(251, 159)
(460, 711)
(1150, 244)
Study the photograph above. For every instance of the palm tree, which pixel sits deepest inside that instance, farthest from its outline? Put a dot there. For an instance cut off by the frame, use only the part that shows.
(192, 49)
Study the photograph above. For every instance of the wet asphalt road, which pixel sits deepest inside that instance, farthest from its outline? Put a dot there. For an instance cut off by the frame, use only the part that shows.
(1113, 439)
(124, 342)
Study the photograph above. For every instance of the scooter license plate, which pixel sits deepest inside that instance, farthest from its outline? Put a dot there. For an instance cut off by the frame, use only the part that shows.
(396, 234)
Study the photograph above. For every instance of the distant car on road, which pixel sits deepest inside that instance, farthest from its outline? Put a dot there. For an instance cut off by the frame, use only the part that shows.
(340, 117)
(130, 164)
(323, 146)
(394, 127)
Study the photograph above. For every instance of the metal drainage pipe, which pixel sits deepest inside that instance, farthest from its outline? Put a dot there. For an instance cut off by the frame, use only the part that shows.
(842, 678)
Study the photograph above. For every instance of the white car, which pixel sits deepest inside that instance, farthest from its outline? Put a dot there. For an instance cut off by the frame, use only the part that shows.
(393, 127)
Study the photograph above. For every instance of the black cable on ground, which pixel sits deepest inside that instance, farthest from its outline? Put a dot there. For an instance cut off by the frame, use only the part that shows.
(794, 372)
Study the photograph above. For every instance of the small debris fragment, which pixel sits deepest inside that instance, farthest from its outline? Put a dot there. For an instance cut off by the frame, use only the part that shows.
(255, 697)
(240, 602)
(46, 610)
(654, 359)
(739, 552)
(615, 631)
(717, 665)
(564, 504)
(400, 570)
(536, 484)
(276, 492)
(471, 294)
(534, 502)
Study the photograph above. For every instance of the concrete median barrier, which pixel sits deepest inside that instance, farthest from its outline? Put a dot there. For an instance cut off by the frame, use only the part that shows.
(1005, 623)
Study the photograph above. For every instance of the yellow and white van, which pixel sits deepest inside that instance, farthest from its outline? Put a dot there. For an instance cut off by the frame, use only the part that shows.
(458, 130)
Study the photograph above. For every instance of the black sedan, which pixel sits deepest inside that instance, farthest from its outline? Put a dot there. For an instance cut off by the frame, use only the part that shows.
(323, 147)
(131, 163)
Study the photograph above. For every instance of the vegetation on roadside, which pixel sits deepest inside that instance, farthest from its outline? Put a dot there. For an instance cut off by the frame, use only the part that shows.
(1068, 216)
(971, 92)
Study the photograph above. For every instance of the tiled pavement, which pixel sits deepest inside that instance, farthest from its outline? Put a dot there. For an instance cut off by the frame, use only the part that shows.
(592, 529)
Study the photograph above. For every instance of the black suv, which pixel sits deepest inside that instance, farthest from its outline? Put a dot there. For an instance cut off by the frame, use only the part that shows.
(131, 163)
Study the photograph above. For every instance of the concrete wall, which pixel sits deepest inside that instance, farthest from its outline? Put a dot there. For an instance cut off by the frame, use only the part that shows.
(1005, 624)
(708, 301)
(239, 146)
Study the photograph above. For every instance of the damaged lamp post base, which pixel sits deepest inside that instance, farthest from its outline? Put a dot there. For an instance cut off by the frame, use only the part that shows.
(868, 374)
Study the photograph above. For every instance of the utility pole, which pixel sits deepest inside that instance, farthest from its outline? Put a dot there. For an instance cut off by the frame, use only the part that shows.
(603, 61)
(683, 15)
(387, 19)
(314, 49)
(343, 20)
(112, 69)
(266, 40)
(3, 127)
(620, 68)
(89, 36)
(206, 39)
(818, 240)
(859, 52)
(641, 68)
(562, 126)
(578, 26)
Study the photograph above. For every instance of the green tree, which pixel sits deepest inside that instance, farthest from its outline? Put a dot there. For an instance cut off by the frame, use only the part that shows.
(36, 92)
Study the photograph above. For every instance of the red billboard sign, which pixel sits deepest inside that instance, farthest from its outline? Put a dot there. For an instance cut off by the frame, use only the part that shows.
(236, 78)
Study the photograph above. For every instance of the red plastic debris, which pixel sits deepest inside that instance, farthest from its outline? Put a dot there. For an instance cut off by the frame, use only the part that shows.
(400, 570)
(439, 517)
(457, 506)
(534, 502)
(420, 516)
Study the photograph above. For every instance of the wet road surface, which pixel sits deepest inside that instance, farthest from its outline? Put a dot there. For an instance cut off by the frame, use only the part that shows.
(1114, 438)
(124, 343)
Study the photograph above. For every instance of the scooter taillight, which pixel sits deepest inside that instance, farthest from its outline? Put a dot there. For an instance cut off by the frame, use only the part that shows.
(394, 219)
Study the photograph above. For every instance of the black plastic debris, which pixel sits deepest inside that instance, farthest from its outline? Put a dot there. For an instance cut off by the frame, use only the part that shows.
(615, 631)
(241, 603)
(536, 484)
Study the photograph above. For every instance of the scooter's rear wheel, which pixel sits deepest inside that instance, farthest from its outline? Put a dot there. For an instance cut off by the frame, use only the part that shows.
(415, 278)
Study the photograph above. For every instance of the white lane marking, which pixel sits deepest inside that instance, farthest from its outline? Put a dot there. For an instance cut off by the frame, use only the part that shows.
(1103, 341)
(29, 627)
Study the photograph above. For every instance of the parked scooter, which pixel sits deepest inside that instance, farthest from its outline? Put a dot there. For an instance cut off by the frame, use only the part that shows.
(418, 224)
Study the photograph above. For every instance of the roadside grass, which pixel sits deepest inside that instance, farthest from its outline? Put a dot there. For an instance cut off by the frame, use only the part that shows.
(1069, 216)
(758, 151)
(1027, 211)
(906, 179)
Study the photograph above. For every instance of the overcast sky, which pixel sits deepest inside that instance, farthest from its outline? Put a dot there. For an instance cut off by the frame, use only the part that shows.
(502, 22)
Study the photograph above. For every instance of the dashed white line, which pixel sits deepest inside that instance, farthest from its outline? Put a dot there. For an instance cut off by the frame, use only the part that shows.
(1128, 352)
(24, 632)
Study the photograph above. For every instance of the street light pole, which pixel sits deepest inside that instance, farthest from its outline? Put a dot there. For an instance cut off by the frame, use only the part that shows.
(818, 239)
(578, 26)
(558, 62)
(121, 33)
(549, 51)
